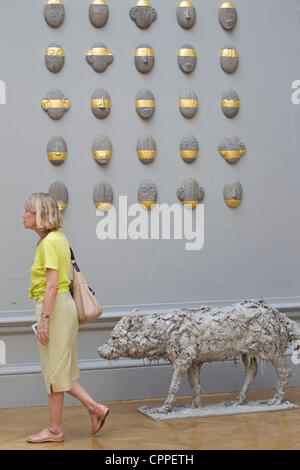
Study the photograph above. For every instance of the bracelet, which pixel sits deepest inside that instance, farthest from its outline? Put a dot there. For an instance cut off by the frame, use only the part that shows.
(44, 315)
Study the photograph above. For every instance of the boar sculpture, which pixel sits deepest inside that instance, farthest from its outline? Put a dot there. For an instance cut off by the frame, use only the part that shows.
(187, 338)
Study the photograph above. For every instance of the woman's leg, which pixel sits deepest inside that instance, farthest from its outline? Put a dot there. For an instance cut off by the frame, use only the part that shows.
(56, 403)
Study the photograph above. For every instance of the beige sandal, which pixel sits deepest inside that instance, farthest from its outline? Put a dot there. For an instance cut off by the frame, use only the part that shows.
(48, 437)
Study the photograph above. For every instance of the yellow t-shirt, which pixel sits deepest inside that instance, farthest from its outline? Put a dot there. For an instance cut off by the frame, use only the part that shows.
(54, 253)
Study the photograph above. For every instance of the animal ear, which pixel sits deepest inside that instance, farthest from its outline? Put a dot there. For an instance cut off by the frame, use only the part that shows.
(154, 14)
(90, 59)
(110, 59)
(181, 193)
(200, 194)
(133, 13)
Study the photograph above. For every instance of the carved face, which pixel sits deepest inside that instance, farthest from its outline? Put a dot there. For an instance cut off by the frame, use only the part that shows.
(57, 150)
(188, 103)
(190, 193)
(60, 193)
(233, 193)
(187, 58)
(189, 149)
(143, 14)
(230, 103)
(145, 104)
(98, 13)
(100, 103)
(144, 58)
(99, 57)
(186, 14)
(55, 104)
(232, 149)
(227, 15)
(229, 59)
(54, 12)
(102, 149)
(147, 194)
(146, 149)
(103, 195)
(54, 58)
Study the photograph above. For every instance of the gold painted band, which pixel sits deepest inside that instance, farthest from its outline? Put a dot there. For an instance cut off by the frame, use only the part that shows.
(191, 204)
(143, 3)
(227, 5)
(61, 206)
(103, 206)
(185, 3)
(47, 104)
(147, 154)
(144, 52)
(57, 51)
(233, 202)
(145, 103)
(102, 154)
(99, 51)
(147, 204)
(189, 153)
(231, 154)
(184, 103)
(187, 53)
(229, 53)
(54, 2)
(57, 155)
(98, 2)
(227, 103)
(100, 103)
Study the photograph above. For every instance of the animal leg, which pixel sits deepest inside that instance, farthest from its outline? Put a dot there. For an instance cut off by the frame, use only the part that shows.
(194, 380)
(251, 371)
(284, 374)
(178, 373)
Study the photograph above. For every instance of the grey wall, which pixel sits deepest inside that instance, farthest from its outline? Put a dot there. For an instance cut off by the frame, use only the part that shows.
(252, 251)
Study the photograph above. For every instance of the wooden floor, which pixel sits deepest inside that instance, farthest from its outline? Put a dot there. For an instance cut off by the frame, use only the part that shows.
(126, 428)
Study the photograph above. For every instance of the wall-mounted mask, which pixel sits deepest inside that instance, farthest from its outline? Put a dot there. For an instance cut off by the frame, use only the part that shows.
(143, 14)
(57, 150)
(190, 193)
(189, 149)
(103, 195)
(54, 58)
(227, 15)
(102, 149)
(147, 194)
(232, 149)
(188, 103)
(60, 193)
(145, 104)
(100, 103)
(233, 193)
(229, 59)
(230, 103)
(144, 58)
(187, 58)
(146, 149)
(54, 12)
(186, 14)
(56, 104)
(98, 13)
(99, 57)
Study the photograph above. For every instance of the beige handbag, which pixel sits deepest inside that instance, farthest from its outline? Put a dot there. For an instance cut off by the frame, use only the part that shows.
(88, 307)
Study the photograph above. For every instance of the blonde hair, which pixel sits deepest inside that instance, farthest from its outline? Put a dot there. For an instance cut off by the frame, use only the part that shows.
(48, 215)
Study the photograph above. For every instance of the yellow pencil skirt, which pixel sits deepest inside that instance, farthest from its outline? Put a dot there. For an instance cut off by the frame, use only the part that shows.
(59, 357)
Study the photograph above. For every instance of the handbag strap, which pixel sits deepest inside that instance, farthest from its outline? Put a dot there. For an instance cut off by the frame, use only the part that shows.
(73, 261)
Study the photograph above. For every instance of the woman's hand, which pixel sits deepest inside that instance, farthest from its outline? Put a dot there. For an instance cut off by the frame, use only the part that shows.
(42, 332)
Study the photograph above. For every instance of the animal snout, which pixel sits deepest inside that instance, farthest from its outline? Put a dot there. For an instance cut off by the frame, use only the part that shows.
(296, 345)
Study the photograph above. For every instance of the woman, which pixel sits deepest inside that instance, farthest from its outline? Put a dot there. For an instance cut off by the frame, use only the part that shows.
(56, 316)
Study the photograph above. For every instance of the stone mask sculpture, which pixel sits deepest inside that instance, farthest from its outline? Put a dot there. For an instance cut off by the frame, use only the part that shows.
(144, 58)
(99, 57)
(187, 58)
(102, 149)
(147, 194)
(98, 13)
(143, 14)
(145, 104)
(103, 195)
(230, 103)
(146, 149)
(232, 149)
(186, 14)
(100, 103)
(57, 150)
(56, 104)
(233, 193)
(188, 103)
(190, 193)
(54, 58)
(189, 149)
(229, 59)
(227, 16)
(60, 193)
(54, 12)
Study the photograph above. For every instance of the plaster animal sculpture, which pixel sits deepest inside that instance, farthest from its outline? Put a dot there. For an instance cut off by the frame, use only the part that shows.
(144, 58)
(145, 104)
(102, 149)
(100, 103)
(227, 16)
(189, 149)
(99, 57)
(143, 14)
(229, 59)
(146, 149)
(231, 149)
(59, 191)
(54, 58)
(98, 13)
(147, 194)
(233, 193)
(54, 12)
(190, 193)
(187, 58)
(186, 14)
(188, 104)
(57, 150)
(56, 104)
(103, 195)
(188, 338)
(230, 103)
